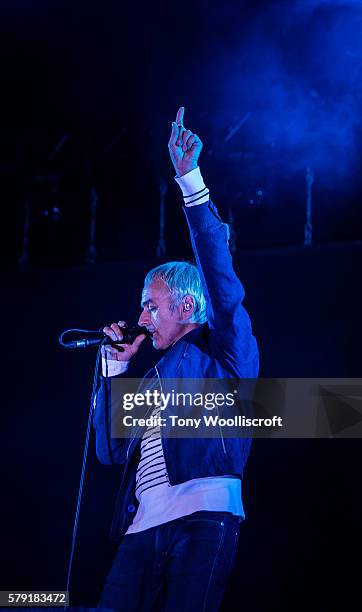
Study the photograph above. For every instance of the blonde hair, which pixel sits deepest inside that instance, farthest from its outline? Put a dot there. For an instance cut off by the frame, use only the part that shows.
(182, 278)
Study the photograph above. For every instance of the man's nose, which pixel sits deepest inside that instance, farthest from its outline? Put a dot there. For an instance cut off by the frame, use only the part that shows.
(144, 318)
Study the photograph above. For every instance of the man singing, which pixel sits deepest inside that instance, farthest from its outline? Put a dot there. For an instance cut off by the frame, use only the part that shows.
(179, 506)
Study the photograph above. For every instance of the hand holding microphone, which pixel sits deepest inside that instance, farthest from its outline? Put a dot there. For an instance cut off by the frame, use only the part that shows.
(125, 351)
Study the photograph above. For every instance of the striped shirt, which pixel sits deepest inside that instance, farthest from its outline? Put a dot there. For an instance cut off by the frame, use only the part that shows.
(151, 470)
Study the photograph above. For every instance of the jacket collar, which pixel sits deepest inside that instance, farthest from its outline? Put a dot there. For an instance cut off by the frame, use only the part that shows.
(175, 353)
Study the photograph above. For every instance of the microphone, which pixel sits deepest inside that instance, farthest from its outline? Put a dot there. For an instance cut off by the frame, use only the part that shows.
(97, 337)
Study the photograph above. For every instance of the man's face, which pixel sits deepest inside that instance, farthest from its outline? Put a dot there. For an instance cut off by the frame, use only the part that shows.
(164, 322)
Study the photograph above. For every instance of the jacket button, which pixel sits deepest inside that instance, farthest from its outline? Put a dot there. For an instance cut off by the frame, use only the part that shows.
(131, 508)
(186, 355)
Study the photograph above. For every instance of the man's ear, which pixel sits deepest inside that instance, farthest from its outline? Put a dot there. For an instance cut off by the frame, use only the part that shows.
(188, 307)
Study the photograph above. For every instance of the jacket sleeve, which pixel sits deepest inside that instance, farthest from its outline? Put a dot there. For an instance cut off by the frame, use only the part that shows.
(229, 323)
(110, 451)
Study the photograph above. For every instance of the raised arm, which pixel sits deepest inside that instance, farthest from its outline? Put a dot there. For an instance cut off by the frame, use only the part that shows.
(227, 318)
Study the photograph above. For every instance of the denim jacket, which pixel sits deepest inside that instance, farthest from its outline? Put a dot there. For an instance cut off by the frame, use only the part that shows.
(222, 348)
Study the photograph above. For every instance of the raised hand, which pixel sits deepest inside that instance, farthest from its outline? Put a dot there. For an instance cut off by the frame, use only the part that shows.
(126, 351)
(184, 146)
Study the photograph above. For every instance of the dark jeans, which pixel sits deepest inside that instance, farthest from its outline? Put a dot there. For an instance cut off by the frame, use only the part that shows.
(179, 566)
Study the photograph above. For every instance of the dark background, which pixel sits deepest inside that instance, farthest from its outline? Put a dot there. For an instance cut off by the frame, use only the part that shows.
(89, 90)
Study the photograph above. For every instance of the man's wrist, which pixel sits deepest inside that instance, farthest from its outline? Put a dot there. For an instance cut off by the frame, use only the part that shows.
(193, 188)
(112, 367)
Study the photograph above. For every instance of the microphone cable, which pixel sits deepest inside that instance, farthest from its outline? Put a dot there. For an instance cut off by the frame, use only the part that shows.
(82, 476)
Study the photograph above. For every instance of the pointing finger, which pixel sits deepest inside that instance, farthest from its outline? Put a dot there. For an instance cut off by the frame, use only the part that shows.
(180, 116)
